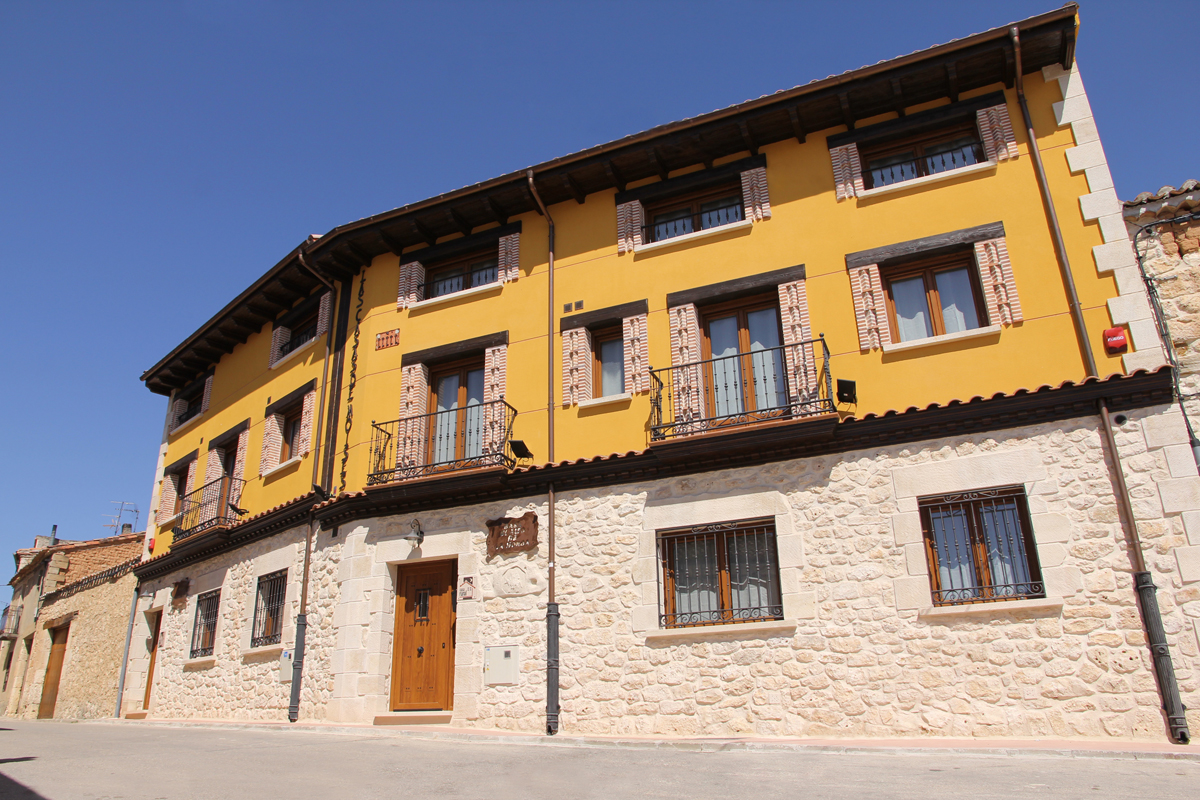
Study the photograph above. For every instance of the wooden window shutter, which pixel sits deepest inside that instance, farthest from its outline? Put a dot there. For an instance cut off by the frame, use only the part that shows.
(167, 495)
(215, 468)
(207, 394)
(995, 129)
(414, 426)
(687, 392)
(999, 288)
(177, 409)
(637, 354)
(847, 171)
(239, 466)
(272, 442)
(412, 281)
(870, 307)
(495, 385)
(306, 423)
(324, 314)
(279, 338)
(754, 194)
(630, 219)
(803, 371)
(509, 258)
(577, 365)
(190, 484)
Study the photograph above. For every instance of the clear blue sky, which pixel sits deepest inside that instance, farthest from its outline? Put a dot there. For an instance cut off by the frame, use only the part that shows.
(156, 158)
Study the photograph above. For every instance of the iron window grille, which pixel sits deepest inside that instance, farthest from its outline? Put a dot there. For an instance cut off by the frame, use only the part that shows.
(204, 632)
(691, 214)
(980, 547)
(719, 574)
(450, 280)
(268, 609)
(300, 337)
(921, 155)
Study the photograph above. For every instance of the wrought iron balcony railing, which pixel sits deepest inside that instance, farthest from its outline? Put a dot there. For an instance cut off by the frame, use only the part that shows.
(989, 594)
(443, 441)
(299, 339)
(213, 505)
(791, 381)
(10, 621)
(668, 226)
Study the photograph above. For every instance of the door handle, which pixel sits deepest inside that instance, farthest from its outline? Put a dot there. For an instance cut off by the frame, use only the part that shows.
(420, 650)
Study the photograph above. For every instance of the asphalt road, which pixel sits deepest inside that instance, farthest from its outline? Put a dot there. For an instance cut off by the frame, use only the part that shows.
(60, 761)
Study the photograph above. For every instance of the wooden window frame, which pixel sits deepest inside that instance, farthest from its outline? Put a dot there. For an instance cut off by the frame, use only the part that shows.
(602, 336)
(269, 604)
(918, 143)
(309, 321)
(210, 632)
(981, 565)
(929, 267)
(462, 265)
(741, 307)
(460, 366)
(194, 397)
(669, 616)
(293, 420)
(692, 201)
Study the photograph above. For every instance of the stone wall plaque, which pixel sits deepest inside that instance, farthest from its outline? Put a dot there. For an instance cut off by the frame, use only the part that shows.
(512, 534)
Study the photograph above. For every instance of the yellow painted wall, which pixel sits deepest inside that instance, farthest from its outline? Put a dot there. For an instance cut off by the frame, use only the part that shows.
(809, 226)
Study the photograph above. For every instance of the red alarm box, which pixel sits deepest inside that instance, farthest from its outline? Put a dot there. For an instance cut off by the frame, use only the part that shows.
(1115, 340)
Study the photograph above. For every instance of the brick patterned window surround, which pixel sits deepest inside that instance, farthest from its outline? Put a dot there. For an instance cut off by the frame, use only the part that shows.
(605, 353)
(178, 479)
(938, 141)
(933, 288)
(287, 428)
(303, 324)
(719, 574)
(980, 547)
(690, 204)
(472, 262)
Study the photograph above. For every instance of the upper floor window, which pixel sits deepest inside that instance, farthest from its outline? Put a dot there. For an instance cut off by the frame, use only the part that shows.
(303, 331)
(191, 401)
(488, 258)
(980, 547)
(928, 153)
(608, 377)
(694, 212)
(300, 326)
(744, 373)
(480, 270)
(933, 297)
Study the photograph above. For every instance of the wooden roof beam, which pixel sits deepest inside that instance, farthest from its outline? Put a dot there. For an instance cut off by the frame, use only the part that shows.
(797, 126)
(423, 231)
(747, 137)
(952, 81)
(393, 244)
(847, 114)
(659, 163)
(497, 210)
(897, 97)
(575, 189)
(529, 196)
(359, 253)
(293, 287)
(460, 222)
(614, 175)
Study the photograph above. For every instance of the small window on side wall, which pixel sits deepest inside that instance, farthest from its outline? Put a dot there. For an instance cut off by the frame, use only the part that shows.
(608, 377)
(980, 547)
(934, 297)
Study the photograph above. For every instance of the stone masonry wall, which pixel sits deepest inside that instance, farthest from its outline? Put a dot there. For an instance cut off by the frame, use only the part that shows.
(99, 619)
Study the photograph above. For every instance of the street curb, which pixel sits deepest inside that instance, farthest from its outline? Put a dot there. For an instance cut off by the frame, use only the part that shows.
(1052, 749)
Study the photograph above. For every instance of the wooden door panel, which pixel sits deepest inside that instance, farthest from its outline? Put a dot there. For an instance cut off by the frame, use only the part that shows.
(157, 625)
(423, 645)
(58, 650)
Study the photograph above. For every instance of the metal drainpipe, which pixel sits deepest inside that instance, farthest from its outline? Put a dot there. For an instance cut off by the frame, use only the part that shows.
(125, 658)
(1160, 321)
(302, 616)
(1164, 671)
(552, 708)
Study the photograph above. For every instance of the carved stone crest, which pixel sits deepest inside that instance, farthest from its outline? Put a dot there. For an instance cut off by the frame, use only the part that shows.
(512, 534)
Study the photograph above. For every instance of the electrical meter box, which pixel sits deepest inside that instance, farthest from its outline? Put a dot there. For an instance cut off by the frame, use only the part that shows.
(501, 664)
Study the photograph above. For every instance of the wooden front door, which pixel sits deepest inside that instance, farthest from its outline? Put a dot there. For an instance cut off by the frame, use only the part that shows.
(423, 650)
(155, 628)
(58, 649)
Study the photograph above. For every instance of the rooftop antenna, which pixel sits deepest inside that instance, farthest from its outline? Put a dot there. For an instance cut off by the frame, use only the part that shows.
(122, 507)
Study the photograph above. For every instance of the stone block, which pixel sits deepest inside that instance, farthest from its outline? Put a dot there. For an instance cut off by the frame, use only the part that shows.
(789, 580)
(468, 609)
(1051, 555)
(467, 630)
(645, 570)
(1148, 360)
(1128, 279)
(791, 551)
(372, 685)
(801, 605)
(915, 560)
(468, 679)
(1062, 581)
(1189, 563)
(1128, 308)
(1099, 204)
(1145, 334)
(906, 528)
(645, 618)
(1072, 109)
(913, 592)
(907, 505)
(1113, 229)
(1163, 429)
(650, 593)
(1180, 462)
(1085, 156)
(1191, 526)
(1054, 72)
(1180, 494)
(972, 472)
(1084, 130)
(1098, 177)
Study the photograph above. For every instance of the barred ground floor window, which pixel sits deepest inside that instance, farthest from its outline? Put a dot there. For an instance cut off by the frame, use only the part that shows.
(268, 609)
(980, 547)
(204, 631)
(718, 574)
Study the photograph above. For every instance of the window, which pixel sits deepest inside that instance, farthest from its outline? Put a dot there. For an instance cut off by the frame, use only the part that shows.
(468, 273)
(456, 426)
(303, 331)
(919, 155)
(608, 376)
(743, 346)
(191, 401)
(719, 574)
(980, 547)
(268, 609)
(287, 432)
(933, 297)
(204, 633)
(698, 211)
(300, 326)
(293, 421)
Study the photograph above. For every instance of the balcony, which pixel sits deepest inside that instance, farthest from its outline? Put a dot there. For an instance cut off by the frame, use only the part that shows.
(789, 382)
(213, 505)
(444, 441)
(9, 622)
